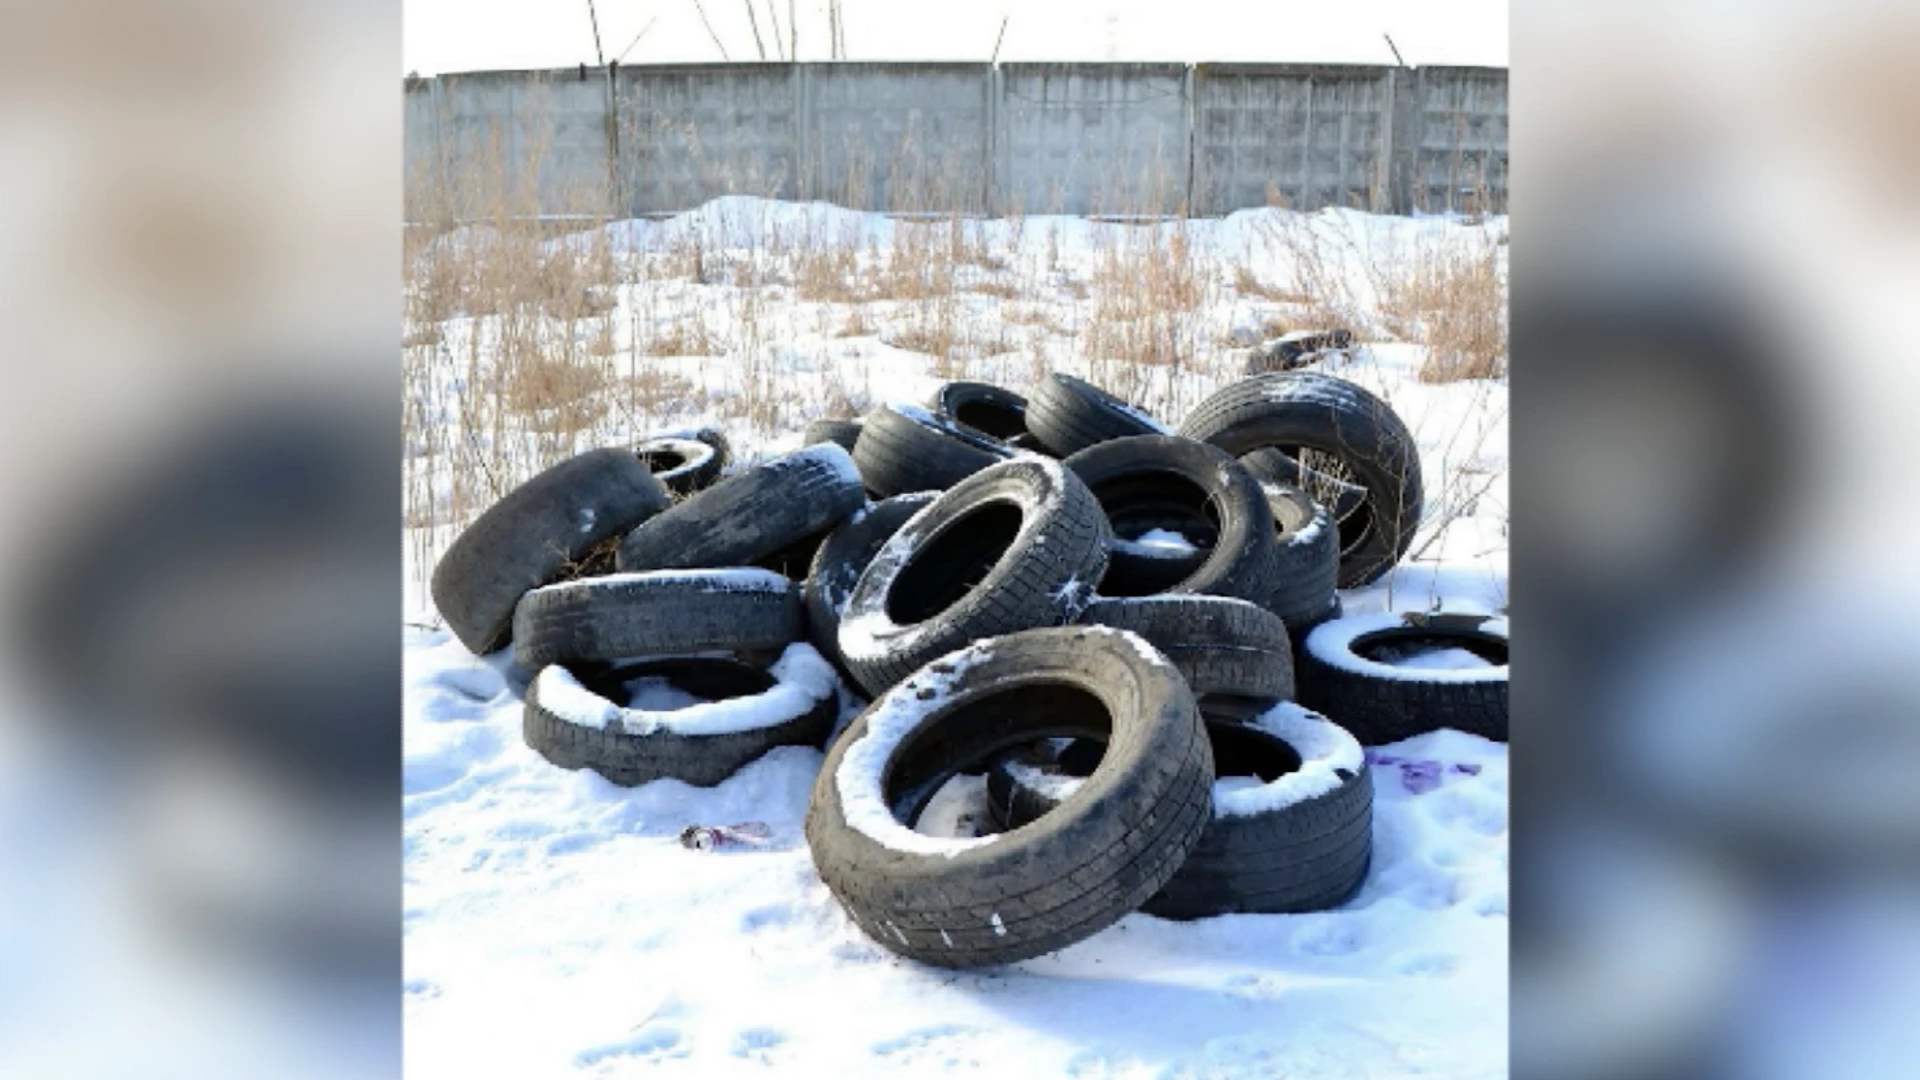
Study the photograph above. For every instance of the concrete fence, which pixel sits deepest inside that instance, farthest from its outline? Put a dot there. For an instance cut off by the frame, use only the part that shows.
(1104, 139)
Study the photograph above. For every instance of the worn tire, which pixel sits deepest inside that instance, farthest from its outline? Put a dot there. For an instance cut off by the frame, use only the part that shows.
(805, 704)
(1068, 415)
(1381, 703)
(993, 411)
(842, 433)
(1148, 482)
(1010, 548)
(684, 465)
(751, 515)
(1224, 647)
(1013, 896)
(530, 536)
(1306, 557)
(1307, 410)
(657, 613)
(905, 448)
(838, 563)
(1309, 855)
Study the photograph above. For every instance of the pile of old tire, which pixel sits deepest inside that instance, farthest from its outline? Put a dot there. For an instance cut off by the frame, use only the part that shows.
(1106, 620)
(648, 596)
(1171, 810)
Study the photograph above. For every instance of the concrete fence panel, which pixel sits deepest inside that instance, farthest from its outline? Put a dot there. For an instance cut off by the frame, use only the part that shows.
(1092, 139)
(1103, 139)
(693, 132)
(899, 137)
(530, 141)
(1303, 136)
(1457, 139)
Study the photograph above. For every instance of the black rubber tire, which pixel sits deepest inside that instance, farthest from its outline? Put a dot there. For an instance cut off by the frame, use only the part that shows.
(994, 411)
(1306, 409)
(1306, 556)
(659, 613)
(683, 465)
(533, 534)
(1146, 482)
(1297, 349)
(1011, 548)
(703, 760)
(1068, 415)
(842, 433)
(1270, 466)
(1387, 704)
(1017, 895)
(845, 555)
(905, 448)
(712, 436)
(1298, 630)
(1310, 856)
(1223, 646)
(751, 515)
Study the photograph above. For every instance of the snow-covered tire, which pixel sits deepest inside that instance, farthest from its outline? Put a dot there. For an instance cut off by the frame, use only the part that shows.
(1343, 675)
(1013, 547)
(842, 433)
(1068, 415)
(656, 613)
(683, 465)
(533, 534)
(1299, 630)
(1146, 482)
(838, 563)
(905, 448)
(751, 515)
(574, 723)
(1302, 841)
(1017, 895)
(1224, 647)
(1306, 557)
(1308, 410)
(992, 410)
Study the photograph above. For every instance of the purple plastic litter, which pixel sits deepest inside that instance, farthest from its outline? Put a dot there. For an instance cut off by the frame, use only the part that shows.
(1420, 776)
(1467, 768)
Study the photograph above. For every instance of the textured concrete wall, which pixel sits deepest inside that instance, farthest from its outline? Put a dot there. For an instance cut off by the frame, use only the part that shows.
(1454, 121)
(1110, 139)
(1092, 138)
(902, 137)
(693, 132)
(515, 138)
(1304, 136)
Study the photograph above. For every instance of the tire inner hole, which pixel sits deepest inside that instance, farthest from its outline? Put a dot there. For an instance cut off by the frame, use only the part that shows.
(967, 737)
(660, 461)
(998, 421)
(954, 562)
(1426, 648)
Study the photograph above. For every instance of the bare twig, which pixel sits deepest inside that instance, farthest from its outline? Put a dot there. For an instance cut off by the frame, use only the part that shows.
(754, 22)
(997, 38)
(636, 39)
(599, 54)
(710, 33)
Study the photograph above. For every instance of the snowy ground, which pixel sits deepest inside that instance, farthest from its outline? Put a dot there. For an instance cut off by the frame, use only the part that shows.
(556, 927)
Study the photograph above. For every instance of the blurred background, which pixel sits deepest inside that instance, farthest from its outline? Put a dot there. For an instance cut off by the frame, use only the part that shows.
(1715, 263)
(1716, 700)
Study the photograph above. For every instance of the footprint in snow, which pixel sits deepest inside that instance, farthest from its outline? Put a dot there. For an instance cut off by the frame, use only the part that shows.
(653, 1042)
(1427, 965)
(1475, 811)
(762, 918)
(758, 1043)
(1329, 938)
(929, 1042)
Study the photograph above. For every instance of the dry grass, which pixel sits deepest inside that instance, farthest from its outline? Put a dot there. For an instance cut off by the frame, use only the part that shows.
(1455, 303)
